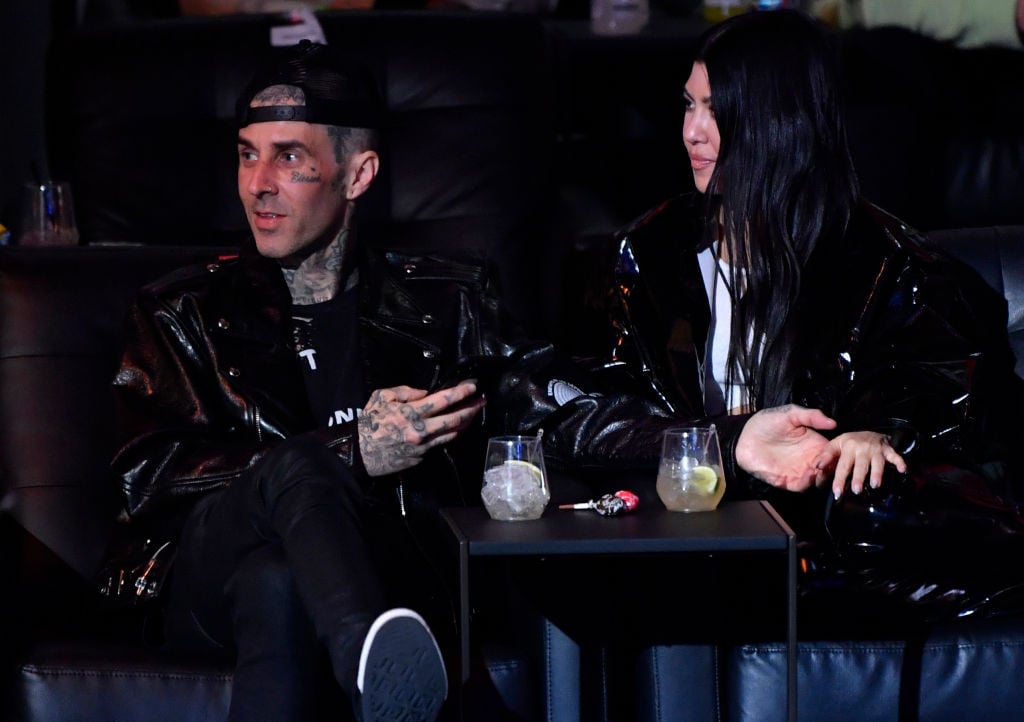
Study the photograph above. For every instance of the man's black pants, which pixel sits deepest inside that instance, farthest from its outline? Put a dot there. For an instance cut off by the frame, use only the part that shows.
(276, 569)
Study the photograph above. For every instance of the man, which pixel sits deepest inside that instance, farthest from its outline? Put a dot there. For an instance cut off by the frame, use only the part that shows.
(277, 422)
(274, 561)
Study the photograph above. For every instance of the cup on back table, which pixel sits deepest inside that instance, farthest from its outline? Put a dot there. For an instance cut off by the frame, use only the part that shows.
(48, 215)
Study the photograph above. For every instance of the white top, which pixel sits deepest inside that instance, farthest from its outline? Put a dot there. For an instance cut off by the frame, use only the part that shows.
(715, 273)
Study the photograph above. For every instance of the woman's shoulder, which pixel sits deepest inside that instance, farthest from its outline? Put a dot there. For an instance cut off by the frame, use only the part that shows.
(939, 278)
(678, 213)
(675, 225)
(874, 228)
(872, 222)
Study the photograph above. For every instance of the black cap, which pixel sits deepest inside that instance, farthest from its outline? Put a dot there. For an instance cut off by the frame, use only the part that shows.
(338, 90)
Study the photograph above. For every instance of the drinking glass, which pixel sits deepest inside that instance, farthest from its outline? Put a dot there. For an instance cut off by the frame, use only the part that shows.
(515, 482)
(690, 474)
(48, 215)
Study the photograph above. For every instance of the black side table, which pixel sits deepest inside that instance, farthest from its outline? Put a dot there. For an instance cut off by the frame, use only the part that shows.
(736, 527)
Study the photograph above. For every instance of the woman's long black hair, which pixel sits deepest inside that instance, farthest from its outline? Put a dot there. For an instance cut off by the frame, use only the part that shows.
(783, 183)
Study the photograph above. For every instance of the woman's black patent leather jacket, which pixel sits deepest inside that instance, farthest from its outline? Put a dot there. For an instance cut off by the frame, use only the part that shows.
(892, 335)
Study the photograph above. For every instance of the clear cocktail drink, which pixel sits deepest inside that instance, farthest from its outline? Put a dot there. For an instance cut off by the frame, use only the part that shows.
(685, 485)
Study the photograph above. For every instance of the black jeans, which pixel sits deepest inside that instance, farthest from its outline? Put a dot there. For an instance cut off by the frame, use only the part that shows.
(276, 569)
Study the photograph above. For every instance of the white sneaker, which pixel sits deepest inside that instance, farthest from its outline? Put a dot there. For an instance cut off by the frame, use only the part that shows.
(401, 672)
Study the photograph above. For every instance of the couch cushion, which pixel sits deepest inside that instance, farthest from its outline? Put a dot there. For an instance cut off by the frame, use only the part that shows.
(933, 163)
(959, 672)
(93, 681)
(997, 254)
(674, 678)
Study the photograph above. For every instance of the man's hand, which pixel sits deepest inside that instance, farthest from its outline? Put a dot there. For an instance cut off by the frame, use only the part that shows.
(858, 455)
(781, 446)
(400, 424)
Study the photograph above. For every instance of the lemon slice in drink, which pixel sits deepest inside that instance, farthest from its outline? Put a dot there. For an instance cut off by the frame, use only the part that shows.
(704, 478)
(538, 475)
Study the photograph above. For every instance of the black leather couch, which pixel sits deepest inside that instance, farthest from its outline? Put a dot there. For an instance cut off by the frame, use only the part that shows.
(66, 657)
(472, 167)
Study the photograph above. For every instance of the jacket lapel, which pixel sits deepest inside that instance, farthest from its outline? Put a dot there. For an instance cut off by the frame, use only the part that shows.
(663, 295)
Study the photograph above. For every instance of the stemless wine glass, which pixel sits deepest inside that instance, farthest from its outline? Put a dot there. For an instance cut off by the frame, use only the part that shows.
(48, 215)
(690, 476)
(515, 482)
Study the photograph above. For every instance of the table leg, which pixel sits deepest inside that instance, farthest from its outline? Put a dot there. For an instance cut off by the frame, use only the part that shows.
(464, 610)
(791, 637)
(461, 677)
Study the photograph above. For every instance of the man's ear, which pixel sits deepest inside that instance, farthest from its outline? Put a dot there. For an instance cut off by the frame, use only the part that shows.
(362, 169)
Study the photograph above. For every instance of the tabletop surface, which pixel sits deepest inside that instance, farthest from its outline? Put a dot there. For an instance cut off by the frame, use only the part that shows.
(734, 526)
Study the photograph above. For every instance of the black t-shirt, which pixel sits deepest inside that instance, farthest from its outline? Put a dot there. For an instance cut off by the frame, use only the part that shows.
(327, 343)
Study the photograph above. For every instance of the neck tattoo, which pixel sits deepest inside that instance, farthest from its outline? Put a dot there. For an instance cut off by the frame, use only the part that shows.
(322, 274)
(318, 277)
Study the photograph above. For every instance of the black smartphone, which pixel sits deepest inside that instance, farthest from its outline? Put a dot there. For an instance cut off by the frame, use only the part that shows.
(486, 370)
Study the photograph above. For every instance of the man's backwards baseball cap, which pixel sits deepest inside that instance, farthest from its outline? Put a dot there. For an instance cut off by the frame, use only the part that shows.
(338, 91)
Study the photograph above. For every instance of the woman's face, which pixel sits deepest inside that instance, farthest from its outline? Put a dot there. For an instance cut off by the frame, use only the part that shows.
(700, 131)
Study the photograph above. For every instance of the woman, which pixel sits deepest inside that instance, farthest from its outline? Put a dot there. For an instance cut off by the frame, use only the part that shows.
(767, 212)
(776, 283)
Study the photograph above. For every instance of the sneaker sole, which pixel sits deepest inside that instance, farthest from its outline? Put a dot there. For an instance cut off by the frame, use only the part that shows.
(402, 675)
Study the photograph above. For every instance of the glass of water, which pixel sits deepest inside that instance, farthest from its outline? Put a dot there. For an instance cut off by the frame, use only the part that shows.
(515, 482)
(690, 476)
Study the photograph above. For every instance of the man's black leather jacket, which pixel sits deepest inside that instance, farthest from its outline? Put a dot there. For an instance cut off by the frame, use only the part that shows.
(209, 379)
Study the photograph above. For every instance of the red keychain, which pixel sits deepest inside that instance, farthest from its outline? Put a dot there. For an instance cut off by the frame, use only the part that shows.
(609, 504)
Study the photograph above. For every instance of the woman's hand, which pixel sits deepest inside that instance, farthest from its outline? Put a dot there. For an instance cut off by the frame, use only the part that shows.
(400, 424)
(857, 456)
(782, 445)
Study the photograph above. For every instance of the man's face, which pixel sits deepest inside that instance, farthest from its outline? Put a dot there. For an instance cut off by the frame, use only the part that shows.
(292, 187)
(700, 131)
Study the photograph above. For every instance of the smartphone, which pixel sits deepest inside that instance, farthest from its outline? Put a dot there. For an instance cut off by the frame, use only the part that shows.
(486, 370)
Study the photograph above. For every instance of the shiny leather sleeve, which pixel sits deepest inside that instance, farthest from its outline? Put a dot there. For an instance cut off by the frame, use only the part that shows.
(187, 424)
(208, 380)
(922, 351)
(610, 431)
